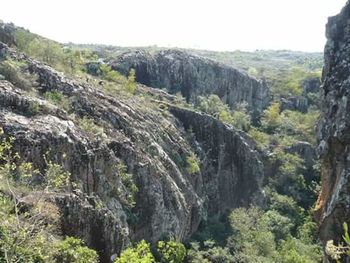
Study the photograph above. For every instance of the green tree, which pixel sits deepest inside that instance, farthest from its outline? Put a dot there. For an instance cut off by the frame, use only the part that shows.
(131, 84)
(171, 251)
(271, 118)
(140, 254)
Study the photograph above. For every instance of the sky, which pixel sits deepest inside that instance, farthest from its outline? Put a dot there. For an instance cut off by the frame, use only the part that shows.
(222, 25)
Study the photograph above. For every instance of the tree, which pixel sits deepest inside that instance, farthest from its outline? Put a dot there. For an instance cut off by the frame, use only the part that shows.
(140, 254)
(271, 118)
(171, 251)
(131, 84)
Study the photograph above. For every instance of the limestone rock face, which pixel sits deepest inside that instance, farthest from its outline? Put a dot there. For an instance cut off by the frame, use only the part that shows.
(153, 140)
(333, 206)
(311, 85)
(295, 103)
(177, 71)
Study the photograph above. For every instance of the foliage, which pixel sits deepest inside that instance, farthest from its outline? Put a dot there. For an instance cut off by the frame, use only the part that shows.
(262, 139)
(57, 178)
(57, 98)
(266, 237)
(192, 164)
(213, 105)
(131, 188)
(209, 253)
(300, 125)
(72, 250)
(171, 251)
(251, 236)
(18, 241)
(89, 126)
(111, 75)
(339, 251)
(271, 118)
(53, 53)
(46, 50)
(140, 254)
(241, 118)
(26, 236)
(13, 72)
(294, 250)
(130, 85)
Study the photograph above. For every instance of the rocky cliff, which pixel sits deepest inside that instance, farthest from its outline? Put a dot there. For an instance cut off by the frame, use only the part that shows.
(333, 206)
(151, 136)
(178, 71)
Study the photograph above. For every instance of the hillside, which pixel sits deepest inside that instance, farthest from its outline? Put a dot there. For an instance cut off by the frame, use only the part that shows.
(154, 154)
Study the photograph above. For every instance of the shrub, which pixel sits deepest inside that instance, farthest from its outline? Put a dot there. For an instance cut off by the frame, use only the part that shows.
(34, 107)
(131, 188)
(56, 177)
(111, 75)
(262, 139)
(72, 250)
(57, 98)
(212, 105)
(12, 72)
(140, 254)
(271, 118)
(192, 164)
(171, 251)
(89, 126)
(131, 84)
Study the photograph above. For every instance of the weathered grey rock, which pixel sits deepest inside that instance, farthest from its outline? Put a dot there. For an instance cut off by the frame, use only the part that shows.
(295, 103)
(178, 71)
(333, 206)
(152, 142)
(7, 33)
(311, 85)
(232, 170)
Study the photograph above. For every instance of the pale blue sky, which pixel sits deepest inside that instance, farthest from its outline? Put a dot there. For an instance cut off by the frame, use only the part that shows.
(215, 25)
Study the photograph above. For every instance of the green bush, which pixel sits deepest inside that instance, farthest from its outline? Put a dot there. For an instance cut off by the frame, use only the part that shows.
(72, 250)
(12, 71)
(131, 189)
(57, 98)
(130, 85)
(56, 177)
(213, 106)
(192, 164)
(89, 126)
(111, 75)
(171, 251)
(140, 254)
(271, 118)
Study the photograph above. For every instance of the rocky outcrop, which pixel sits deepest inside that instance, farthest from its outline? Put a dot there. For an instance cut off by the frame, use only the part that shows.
(178, 71)
(295, 103)
(232, 171)
(311, 85)
(151, 136)
(7, 33)
(333, 205)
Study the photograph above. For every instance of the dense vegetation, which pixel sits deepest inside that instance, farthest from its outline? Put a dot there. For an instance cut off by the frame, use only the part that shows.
(280, 230)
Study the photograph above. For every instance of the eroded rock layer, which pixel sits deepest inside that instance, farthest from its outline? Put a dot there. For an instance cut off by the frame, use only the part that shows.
(178, 71)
